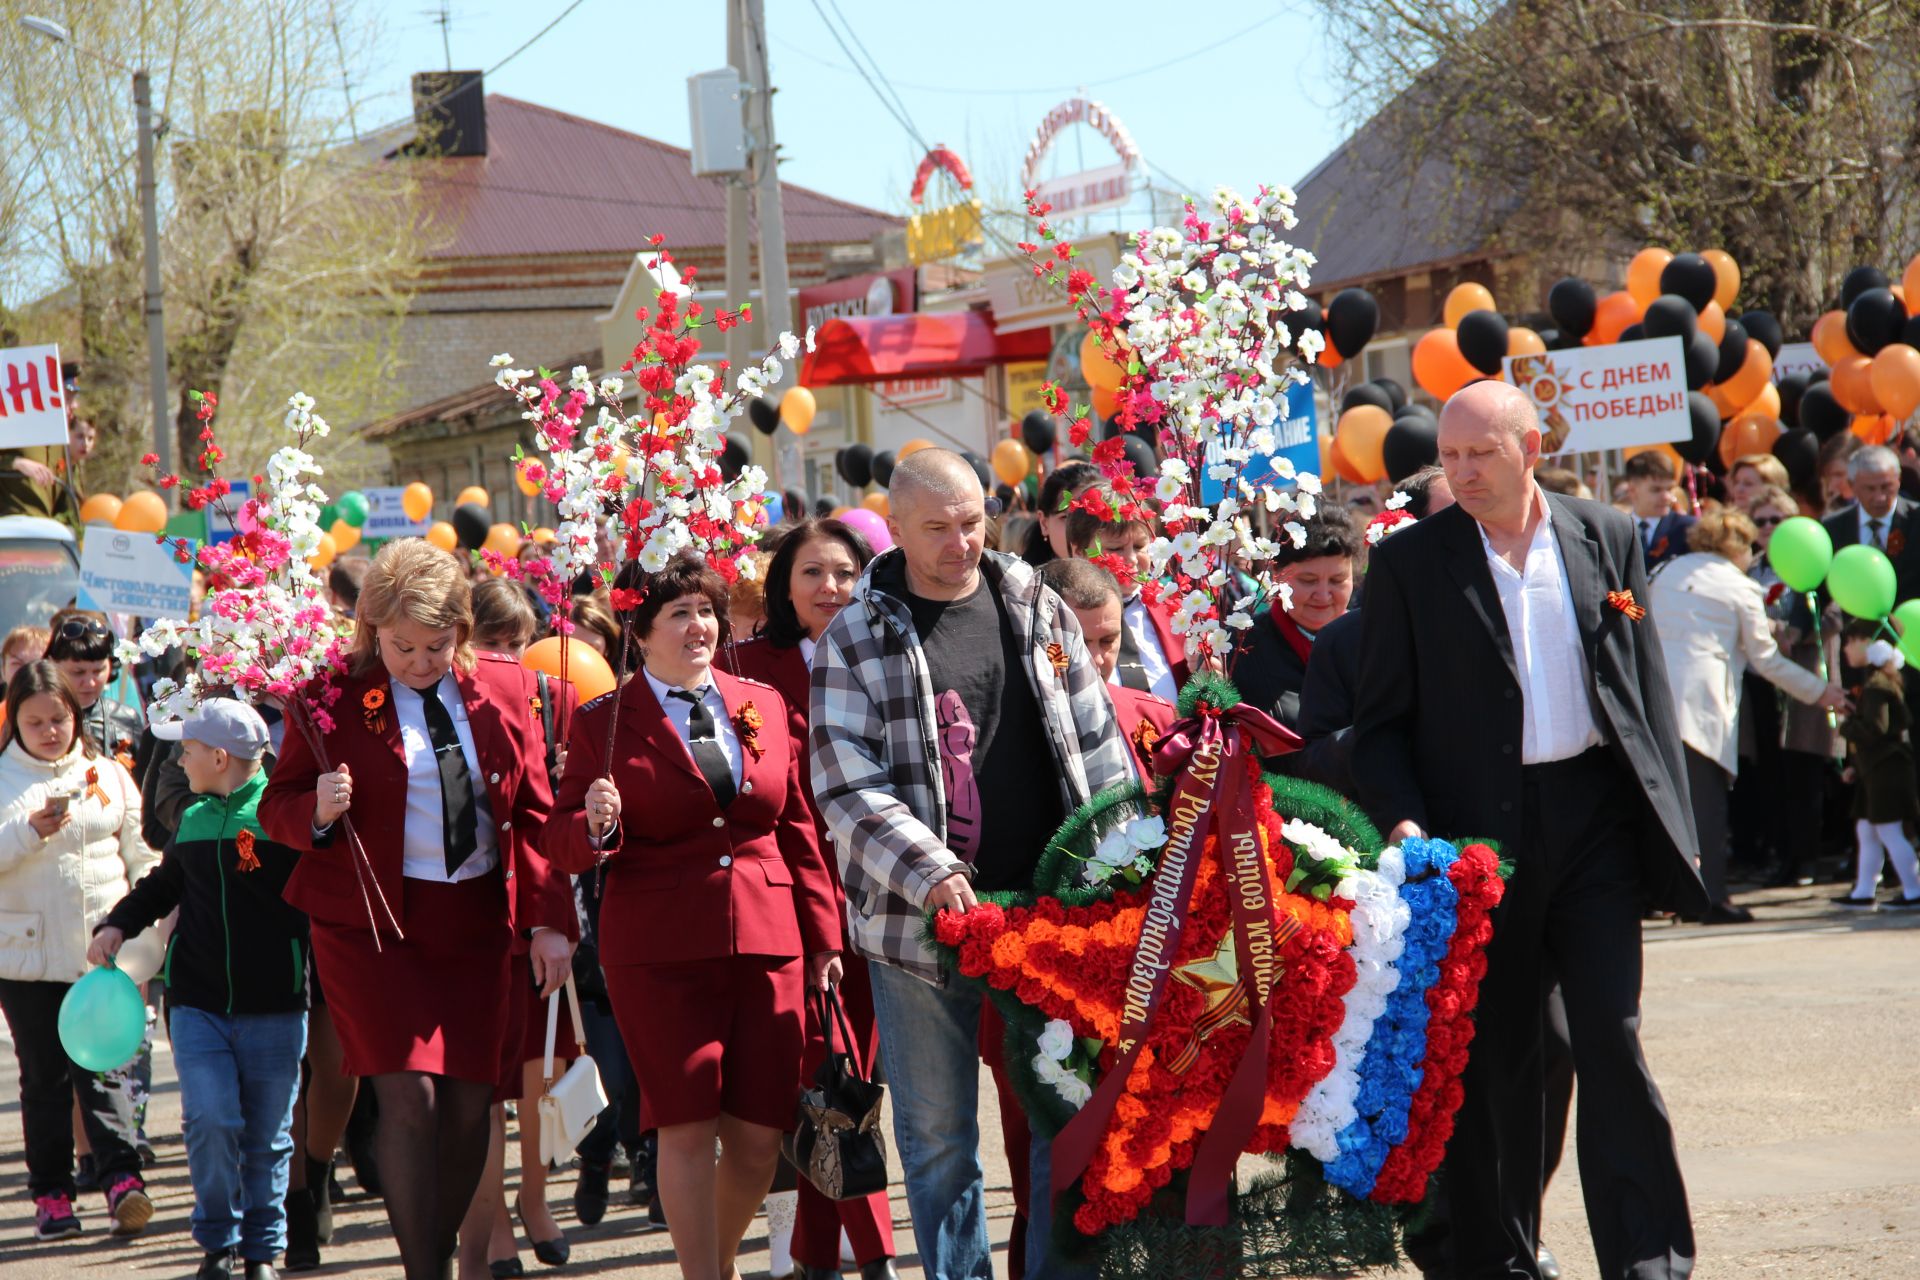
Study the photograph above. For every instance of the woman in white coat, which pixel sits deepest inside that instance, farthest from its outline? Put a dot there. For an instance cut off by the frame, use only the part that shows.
(70, 848)
(1713, 627)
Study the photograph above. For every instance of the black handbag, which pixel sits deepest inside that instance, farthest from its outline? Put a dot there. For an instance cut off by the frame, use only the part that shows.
(837, 1143)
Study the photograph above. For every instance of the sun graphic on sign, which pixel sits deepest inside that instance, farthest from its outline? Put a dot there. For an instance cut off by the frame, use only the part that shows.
(1537, 376)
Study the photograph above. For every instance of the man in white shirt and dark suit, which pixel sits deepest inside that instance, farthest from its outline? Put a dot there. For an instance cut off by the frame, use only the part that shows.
(1511, 688)
(1879, 516)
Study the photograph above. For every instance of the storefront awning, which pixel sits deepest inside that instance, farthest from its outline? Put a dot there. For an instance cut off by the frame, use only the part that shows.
(951, 344)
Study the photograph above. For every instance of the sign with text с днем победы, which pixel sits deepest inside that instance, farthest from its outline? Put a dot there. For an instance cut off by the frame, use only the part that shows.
(1610, 397)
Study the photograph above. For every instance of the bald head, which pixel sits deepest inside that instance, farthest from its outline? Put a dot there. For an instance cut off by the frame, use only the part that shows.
(1489, 444)
(938, 518)
(938, 474)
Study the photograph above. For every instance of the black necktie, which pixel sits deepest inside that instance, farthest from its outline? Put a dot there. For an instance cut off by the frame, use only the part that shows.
(1132, 672)
(703, 739)
(1874, 527)
(1646, 535)
(459, 821)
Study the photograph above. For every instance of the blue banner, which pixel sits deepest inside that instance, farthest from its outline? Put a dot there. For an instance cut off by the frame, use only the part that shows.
(1296, 439)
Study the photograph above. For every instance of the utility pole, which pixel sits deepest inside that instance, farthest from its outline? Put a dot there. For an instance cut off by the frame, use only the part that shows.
(764, 163)
(155, 306)
(738, 273)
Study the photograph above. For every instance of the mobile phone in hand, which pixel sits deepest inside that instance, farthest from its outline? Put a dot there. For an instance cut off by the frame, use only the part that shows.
(57, 804)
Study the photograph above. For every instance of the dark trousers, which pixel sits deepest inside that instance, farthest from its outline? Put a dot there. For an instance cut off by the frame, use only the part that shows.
(1709, 785)
(1799, 809)
(49, 1081)
(619, 1121)
(1573, 907)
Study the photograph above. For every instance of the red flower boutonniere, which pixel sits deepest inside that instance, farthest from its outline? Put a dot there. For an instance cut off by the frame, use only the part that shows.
(248, 861)
(1896, 542)
(1658, 549)
(1775, 591)
(1145, 738)
(1625, 603)
(747, 723)
(373, 710)
(1057, 655)
(93, 787)
(534, 702)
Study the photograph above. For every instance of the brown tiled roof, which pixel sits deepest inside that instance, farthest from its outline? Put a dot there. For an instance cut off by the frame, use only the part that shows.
(554, 183)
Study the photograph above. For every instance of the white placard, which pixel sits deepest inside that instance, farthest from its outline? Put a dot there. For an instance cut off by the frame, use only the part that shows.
(1797, 357)
(1608, 397)
(387, 516)
(33, 400)
(131, 573)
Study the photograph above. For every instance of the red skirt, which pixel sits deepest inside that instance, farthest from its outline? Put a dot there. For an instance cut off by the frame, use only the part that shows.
(526, 1037)
(713, 1036)
(434, 1002)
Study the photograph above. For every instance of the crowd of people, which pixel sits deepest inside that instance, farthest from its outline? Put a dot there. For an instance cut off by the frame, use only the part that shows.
(362, 929)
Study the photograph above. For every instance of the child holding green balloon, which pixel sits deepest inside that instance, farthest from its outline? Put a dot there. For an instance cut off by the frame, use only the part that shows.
(1884, 797)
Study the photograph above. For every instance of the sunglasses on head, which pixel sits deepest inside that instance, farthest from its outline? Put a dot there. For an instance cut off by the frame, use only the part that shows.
(1767, 522)
(75, 628)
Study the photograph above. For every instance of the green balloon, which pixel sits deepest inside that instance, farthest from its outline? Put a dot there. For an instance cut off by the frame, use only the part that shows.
(103, 1020)
(1906, 617)
(1800, 552)
(353, 507)
(1861, 580)
(328, 514)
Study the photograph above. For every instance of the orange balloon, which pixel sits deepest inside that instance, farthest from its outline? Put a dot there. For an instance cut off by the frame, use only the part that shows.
(1012, 461)
(1910, 282)
(1099, 368)
(345, 536)
(441, 535)
(1726, 274)
(1467, 297)
(1525, 342)
(1747, 434)
(1329, 357)
(544, 537)
(1751, 378)
(1643, 275)
(797, 408)
(1830, 338)
(910, 448)
(1105, 403)
(1328, 464)
(877, 503)
(1438, 366)
(101, 508)
(474, 494)
(525, 483)
(1360, 436)
(1899, 291)
(1766, 404)
(1853, 385)
(1713, 321)
(1342, 468)
(586, 670)
(1894, 377)
(142, 512)
(1611, 318)
(503, 540)
(417, 500)
(1726, 405)
(1668, 451)
(1874, 428)
(324, 553)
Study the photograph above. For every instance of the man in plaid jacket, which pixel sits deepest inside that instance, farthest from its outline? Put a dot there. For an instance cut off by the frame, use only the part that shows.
(956, 720)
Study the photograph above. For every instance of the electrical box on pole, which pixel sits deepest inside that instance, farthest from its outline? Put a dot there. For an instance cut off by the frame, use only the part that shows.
(719, 128)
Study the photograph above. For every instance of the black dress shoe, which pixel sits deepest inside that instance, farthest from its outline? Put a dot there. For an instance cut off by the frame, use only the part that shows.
(506, 1269)
(551, 1253)
(1727, 913)
(878, 1269)
(261, 1271)
(303, 1237)
(590, 1193)
(1549, 1266)
(215, 1266)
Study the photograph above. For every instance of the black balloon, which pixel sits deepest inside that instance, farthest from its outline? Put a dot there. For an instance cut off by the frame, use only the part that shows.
(1483, 340)
(1821, 414)
(1558, 341)
(1352, 317)
(764, 414)
(1818, 375)
(1874, 320)
(1733, 351)
(1858, 281)
(883, 468)
(1764, 329)
(1632, 333)
(980, 468)
(1038, 431)
(1369, 394)
(1309, 316)
(1412, 442)
(1799, 452)
(1141, 455)
(1671, 316)
(1706, 427)
(1572, 303)
(1394, 390)
(1691, 277)
(1703, 359)
(735, 455)
(855, 465)
(1792, 387)
(470, 525)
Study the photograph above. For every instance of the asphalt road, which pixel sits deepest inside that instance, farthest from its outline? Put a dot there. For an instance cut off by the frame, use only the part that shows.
(1789, 1052)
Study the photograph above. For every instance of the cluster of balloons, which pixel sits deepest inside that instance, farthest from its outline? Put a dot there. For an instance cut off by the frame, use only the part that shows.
(1860, 579)
(1471, 345)
(1380, 435)
(141, 512)
(796, 408)
(1872, 347)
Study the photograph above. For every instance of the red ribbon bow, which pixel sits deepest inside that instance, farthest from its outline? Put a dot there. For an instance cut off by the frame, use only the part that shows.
(1269, 736)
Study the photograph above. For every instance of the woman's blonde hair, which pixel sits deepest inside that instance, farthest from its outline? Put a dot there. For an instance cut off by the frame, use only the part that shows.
(1774, 495)
(1771, 469)
(414, 580)
(1724, 531)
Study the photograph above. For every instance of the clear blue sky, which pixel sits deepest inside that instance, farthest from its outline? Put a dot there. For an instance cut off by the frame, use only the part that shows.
(1263, 106)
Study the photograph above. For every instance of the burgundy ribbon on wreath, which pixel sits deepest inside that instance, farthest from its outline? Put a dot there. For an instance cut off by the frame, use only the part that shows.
(1208, 752)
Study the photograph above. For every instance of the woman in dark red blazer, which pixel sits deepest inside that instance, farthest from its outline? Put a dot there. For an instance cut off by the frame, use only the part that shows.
(437, 763)
(718, 909)
(809, 580)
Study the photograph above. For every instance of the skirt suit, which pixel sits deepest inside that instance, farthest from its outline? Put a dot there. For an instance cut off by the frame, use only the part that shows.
(708, 911)
(868, 1221)
(432, 996)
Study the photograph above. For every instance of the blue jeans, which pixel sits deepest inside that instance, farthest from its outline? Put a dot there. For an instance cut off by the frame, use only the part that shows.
(239, 1076)
(930, 1044)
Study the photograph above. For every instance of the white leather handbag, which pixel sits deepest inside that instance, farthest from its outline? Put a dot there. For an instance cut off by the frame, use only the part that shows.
(570, 1105)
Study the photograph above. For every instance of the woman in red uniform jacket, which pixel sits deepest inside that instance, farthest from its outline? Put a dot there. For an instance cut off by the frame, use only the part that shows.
(718, 909)
(436, 764)
(809, 580)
